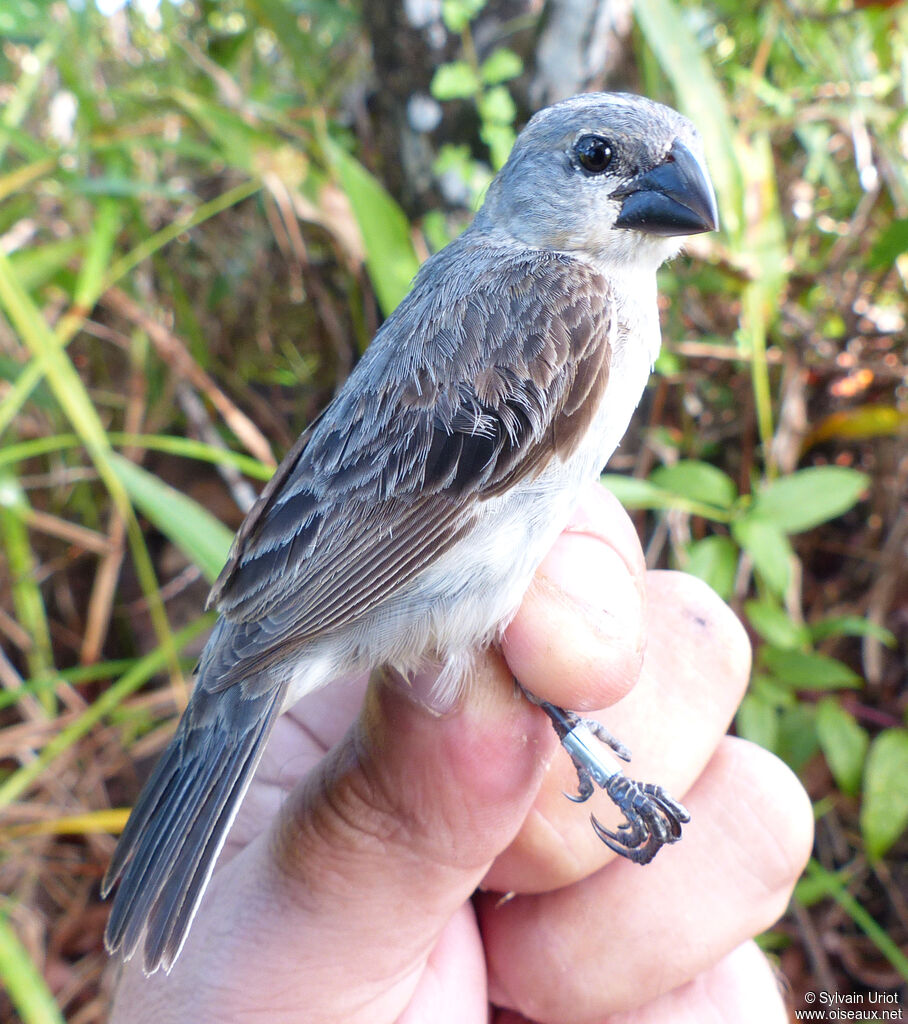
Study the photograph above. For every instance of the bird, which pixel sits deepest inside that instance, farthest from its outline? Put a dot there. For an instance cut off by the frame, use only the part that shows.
(405, 524)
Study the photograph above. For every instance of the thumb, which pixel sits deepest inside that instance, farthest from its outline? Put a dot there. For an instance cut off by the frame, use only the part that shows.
(333, 914)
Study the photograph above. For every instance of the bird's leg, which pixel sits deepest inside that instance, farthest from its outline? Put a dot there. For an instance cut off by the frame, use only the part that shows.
(652, 818)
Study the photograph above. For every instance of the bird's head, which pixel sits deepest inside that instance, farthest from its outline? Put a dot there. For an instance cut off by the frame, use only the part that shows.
(615, 177)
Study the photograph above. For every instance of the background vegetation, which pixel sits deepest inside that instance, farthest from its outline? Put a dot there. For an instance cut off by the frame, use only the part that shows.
(195, 247)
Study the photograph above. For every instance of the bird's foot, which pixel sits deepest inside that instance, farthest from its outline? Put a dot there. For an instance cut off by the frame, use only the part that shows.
(653, 819)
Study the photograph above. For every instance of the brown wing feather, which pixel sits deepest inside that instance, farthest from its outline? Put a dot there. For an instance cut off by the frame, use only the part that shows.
(459, 398)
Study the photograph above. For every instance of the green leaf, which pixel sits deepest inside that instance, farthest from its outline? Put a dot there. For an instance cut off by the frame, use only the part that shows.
(772, 691)
(809, 671)
(851, 625)
(496, 106)
(757, 720)
(775, 625)
(501, 66)
(390, 257)
(884, 809)
(715, 560)
(698, 481)
(891, 243)
(457, 14)
(633, 492)
(797, 741)
(194, 530)
(500, 140)
(455, 81)
(809, 497)
(844, 744)
(768, 547)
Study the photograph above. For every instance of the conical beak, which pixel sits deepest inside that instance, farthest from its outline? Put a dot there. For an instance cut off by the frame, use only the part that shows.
(674, 198)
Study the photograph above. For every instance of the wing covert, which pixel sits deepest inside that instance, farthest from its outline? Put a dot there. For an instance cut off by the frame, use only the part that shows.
(464, 392)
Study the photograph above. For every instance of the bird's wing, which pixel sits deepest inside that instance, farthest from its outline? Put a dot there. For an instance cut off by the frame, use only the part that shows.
(457, 401)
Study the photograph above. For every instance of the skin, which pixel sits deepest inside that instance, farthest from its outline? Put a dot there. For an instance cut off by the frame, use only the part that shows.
(350, 898)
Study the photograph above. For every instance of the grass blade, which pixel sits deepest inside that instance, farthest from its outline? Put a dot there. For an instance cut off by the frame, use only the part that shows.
(22, 980)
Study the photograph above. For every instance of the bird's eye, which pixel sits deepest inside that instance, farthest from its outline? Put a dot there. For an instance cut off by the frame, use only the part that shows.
(594, 153)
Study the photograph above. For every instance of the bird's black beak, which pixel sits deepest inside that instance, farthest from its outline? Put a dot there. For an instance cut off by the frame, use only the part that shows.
(674, 198)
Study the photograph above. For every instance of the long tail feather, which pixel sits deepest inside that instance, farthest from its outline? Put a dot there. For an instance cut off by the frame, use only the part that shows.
(173, 837)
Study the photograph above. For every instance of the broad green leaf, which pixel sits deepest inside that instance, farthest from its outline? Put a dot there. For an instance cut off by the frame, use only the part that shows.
(497, 107)
(455, 81)
(797, 742)
(500, 140)
(809, 671)
(768, 547)
(633, 492)
(194, 530)
(809, 497)
(844, 744)
(884, 809)
(457, 14)
(757, 720)
(851, 625)
(501, 66)
(775, 625)
(390, 257)
(698, 481)
(715, 560)
(772, 691)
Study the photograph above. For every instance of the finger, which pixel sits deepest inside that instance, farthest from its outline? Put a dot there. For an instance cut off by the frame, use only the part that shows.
(627, 934)
(741, 987)
(578, 638)
(371, 863)
(695, 670)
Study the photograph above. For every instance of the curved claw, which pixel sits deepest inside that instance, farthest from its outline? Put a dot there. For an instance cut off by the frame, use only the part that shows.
(580, 798)
(653, 820)
(634, 849)
(585, 787)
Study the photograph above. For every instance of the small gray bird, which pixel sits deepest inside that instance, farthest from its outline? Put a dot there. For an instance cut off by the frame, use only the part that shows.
(406, 523)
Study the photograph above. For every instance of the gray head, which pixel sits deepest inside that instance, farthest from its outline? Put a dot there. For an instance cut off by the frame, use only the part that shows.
(616, 177)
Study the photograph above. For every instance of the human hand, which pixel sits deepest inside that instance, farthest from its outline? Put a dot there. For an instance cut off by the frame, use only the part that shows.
(344, 892)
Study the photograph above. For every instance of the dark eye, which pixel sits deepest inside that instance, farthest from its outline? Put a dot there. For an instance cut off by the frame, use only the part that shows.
(594, 153)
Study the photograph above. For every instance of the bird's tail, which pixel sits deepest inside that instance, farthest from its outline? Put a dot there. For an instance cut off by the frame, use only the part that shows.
(177, 828)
